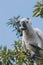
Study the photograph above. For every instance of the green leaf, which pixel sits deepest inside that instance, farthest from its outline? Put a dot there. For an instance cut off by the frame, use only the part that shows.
(38, 11)
(36, 14)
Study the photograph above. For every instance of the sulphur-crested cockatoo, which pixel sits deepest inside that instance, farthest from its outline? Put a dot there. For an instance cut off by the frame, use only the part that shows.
(32, 37)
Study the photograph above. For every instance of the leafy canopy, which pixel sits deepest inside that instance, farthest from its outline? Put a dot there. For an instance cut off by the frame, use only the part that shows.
(15, 23)
(38, 11)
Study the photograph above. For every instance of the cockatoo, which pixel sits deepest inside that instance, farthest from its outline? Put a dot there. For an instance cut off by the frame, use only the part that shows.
(32, 37)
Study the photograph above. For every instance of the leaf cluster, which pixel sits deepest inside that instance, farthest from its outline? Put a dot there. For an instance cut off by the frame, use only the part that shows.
(15, 56)
(38, 11)
(15, 23)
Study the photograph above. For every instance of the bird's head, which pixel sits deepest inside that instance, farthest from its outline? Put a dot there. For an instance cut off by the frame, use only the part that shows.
(25, 23)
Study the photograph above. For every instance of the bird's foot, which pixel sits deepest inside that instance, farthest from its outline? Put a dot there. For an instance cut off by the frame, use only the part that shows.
(33, 57)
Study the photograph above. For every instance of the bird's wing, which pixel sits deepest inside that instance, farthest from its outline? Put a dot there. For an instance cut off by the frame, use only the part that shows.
(39, 33)
(35, 47)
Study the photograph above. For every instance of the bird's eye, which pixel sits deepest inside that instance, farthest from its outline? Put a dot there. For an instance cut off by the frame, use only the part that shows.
(27, 21)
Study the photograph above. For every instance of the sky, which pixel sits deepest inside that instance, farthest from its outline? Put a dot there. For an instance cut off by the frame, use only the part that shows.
(11, 8)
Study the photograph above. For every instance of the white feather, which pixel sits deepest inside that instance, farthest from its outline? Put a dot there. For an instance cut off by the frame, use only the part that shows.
(32, 36)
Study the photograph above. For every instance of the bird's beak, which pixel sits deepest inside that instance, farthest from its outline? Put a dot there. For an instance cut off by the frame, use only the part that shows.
(23, 26)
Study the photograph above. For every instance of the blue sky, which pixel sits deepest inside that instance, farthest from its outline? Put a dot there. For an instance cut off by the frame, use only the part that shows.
(10, 8)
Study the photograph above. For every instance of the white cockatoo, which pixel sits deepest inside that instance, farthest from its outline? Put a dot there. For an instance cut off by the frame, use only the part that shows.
(32, 37)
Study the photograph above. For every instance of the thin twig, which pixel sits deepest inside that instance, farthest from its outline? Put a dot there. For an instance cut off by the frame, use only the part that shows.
(36, 57)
